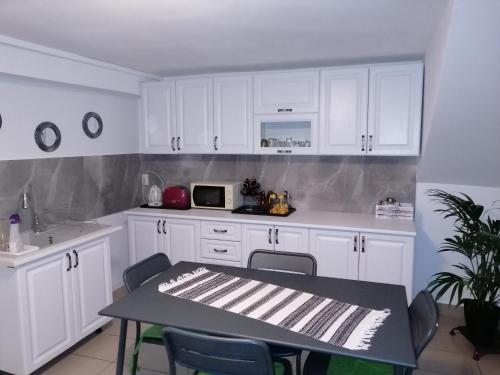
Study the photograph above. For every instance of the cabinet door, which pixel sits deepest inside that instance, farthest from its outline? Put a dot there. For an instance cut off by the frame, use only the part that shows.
(195, 120)
(233, 114)
(47, 301)
(387, 259)
(158, 111)
(395, 108)
(255, 237)
(145, 237)
(286, 92)
(336, 253)
(344, 109)
(92, 285)
(291, 239)
(182, 240)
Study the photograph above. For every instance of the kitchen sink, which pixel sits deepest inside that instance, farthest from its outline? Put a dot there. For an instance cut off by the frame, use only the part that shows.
(56, 234)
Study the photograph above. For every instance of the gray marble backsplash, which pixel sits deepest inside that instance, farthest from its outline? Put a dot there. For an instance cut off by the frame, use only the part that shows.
(336, 183)
(73, 188)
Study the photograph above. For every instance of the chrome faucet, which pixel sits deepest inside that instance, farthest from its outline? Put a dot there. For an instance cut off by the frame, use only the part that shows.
(27, 204)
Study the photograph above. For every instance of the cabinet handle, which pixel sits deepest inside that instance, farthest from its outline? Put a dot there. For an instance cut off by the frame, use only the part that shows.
(276, 235)
(164, 230)
(173, 143)
(220, 230)
(370, 142)
(362, 244)
(215, 143)
(285, 109)
(355, 243)
(178, 143)
(284, 151)
(69, 262)
(77, 262)
(363, 142)
(220, 250)
(158, 226)
(270, 234)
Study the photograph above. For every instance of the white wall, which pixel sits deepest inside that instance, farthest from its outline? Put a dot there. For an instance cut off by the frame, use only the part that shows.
(26, 103)
(119, 247)
(432, 229)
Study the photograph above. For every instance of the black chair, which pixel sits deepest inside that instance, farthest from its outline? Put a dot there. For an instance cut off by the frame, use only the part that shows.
(212, 355)
(424, 320)
(133, 277)
(286, 262)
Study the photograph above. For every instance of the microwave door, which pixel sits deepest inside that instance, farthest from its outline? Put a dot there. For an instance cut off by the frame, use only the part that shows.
(209, 196)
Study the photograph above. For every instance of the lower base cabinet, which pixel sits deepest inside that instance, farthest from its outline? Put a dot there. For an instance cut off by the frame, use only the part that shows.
(54, 303)
(364, 256)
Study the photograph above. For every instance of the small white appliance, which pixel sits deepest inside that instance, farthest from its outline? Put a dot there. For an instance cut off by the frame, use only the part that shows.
(155, 197)
(219, 195)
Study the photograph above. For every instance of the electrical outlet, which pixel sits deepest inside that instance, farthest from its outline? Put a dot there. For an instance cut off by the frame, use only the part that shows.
(145, 179)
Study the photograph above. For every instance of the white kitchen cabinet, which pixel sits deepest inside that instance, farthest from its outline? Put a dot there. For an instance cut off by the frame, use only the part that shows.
(271, 237)
(46, 298)
(195, 119)
(182, 240)
(343, 111)
(92, 286)
(387, 259)
(158, 133)
(395, 109)
(233, 115)
(179, 239)
(336, 253)
(286, 92)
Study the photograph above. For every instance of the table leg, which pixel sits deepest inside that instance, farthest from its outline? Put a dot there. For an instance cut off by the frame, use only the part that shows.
(121, 347)
(398, 370)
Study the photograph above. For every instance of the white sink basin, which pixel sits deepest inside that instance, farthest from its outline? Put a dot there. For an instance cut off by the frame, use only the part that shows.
(59, 233)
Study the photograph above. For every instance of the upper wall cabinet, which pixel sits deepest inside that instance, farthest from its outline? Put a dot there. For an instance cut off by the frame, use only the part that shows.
(395, 109)
(195, 116)
(233, 114)
(286, 92)
(158, 113)
(343, 111)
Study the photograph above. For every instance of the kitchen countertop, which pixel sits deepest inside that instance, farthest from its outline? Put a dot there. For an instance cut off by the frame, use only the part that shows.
(96, 231)
(300, 218)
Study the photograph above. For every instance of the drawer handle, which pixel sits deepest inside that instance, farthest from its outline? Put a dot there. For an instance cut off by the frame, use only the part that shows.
(284, 151)
(220, 230)
(173, 143)
(178, 143)
(370, 142)
(270, 234)
(362, 244)
(355, 243)
(276, 234)
(285, 109)
(164, 231)
(363, 143)
(77, 262)
(220, 250)
(158, 226)
(69, 262)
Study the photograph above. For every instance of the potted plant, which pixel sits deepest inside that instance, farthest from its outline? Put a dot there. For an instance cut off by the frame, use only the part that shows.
(478, 240)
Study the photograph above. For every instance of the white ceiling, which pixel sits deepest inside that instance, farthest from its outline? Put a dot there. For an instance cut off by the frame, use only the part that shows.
(167, 37)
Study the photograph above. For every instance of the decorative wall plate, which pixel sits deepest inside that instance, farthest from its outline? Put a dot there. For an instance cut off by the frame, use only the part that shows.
(92, 125)
(47, 136)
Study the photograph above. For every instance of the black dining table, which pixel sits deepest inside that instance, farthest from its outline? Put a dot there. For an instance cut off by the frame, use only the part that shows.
(392, 343)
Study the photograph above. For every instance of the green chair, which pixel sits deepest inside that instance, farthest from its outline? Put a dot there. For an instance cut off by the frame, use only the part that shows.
(133, 277)
(213, 355)
(424, 320)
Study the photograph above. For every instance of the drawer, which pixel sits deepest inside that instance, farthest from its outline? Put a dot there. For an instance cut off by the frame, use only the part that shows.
(224, 250)
(221, 231)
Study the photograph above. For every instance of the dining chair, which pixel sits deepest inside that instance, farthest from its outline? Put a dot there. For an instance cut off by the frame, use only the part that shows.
(213, 355)
(424, 319)
(286, 262)
(133, 277)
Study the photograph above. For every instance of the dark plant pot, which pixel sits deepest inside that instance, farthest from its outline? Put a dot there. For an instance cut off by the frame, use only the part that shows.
(481, 320)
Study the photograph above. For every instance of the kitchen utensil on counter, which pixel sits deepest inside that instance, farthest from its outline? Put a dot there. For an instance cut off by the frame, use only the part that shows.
(177, 198)
(155, 197)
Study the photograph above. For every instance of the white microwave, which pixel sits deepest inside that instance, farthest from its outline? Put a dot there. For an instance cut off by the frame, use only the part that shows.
(219, 195)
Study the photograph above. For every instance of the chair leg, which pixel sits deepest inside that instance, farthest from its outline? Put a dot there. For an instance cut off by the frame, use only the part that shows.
(135, 357)
(298, 364)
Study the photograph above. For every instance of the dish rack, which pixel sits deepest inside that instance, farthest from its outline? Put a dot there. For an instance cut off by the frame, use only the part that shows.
(402, 211)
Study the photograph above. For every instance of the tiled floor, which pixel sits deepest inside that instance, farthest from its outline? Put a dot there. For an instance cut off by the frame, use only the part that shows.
(449, 355)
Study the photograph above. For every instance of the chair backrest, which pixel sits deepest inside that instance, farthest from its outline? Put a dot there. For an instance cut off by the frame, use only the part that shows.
(138, 273)
(424, 319)
(283, 261)
(216, 355)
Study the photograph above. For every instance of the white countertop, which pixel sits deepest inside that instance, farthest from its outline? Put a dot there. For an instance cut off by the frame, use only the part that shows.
(96, 231)
(300, 218)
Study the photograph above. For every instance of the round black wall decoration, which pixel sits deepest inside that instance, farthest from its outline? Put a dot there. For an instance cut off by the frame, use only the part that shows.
(92, 125)
(0, 121)
(47, 136)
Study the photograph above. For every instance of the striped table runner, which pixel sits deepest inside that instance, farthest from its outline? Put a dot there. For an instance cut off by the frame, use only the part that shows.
(325, 319)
